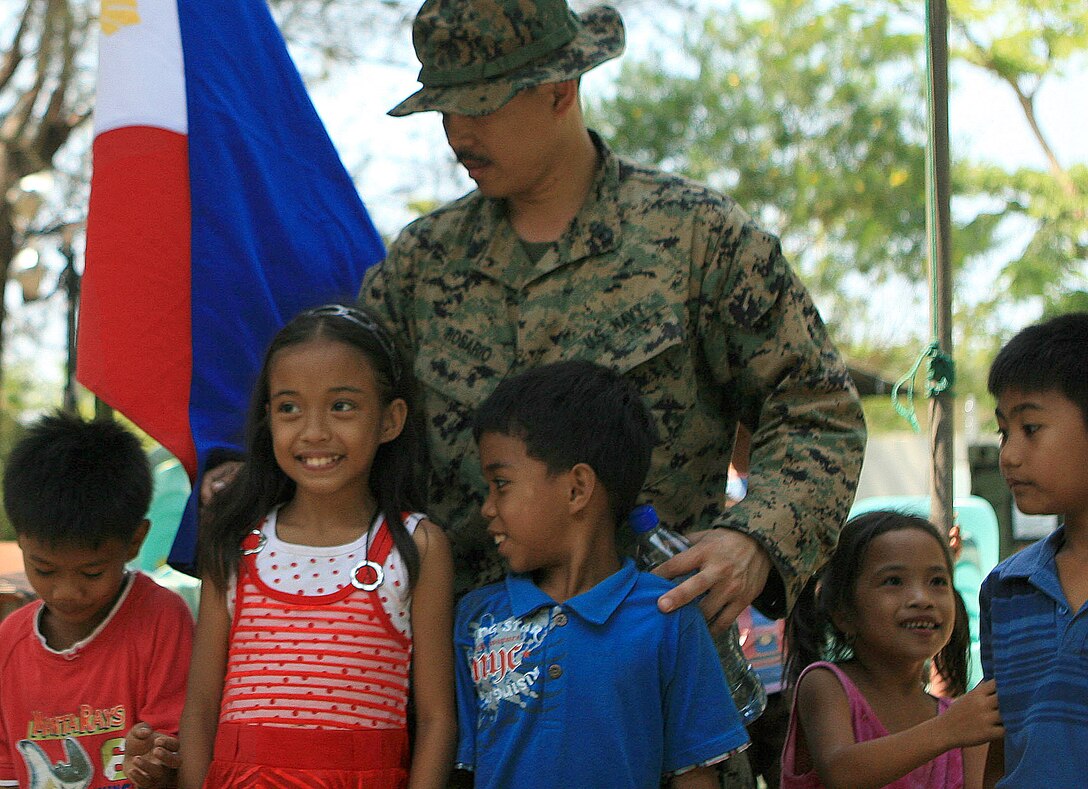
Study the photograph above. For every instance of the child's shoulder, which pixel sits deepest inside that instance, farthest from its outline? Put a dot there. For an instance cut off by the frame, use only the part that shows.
(822, 672)
(649, 583)
(481, 598)
(154, 621)
(15, 628)
(150, 600)
(648, 588)
(425, 532)
(643, 593)
(143, 585)
(822, 682)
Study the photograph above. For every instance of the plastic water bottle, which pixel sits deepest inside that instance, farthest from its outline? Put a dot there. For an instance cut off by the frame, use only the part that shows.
(656, 544)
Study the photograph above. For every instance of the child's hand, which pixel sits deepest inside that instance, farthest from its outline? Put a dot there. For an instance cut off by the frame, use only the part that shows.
(973, 718)
(151, 758)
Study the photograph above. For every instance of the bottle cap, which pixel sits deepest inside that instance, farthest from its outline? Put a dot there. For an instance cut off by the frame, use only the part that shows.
(643, 518)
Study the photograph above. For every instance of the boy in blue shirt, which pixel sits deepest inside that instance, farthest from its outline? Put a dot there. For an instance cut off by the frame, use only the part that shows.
(567, 673)
(1034, 621)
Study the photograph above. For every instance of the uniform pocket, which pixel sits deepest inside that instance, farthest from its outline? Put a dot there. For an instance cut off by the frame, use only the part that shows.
(627, 335)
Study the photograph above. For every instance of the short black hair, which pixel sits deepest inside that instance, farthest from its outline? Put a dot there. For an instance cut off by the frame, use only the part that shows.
(1048, 356)
(577, 412)
(75, 482)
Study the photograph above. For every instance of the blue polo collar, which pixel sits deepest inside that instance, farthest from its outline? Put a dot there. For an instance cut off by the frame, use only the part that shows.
(1035, 564)
(595, 605)
(1035, 557)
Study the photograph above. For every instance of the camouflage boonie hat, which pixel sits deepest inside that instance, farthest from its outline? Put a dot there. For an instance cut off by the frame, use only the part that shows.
(478, 54)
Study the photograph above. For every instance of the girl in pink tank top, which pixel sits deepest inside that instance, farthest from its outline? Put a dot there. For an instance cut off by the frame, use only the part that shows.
(321, 596)
(864, 631)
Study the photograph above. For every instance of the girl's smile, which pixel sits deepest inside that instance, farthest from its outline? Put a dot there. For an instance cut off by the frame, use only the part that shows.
(319, 462)
(903, 602)
(326, 417)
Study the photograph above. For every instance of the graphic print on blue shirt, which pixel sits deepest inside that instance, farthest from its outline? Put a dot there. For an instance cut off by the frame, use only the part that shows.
(501, 655)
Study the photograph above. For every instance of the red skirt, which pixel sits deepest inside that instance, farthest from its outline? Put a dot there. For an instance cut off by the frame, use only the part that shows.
(282, 757)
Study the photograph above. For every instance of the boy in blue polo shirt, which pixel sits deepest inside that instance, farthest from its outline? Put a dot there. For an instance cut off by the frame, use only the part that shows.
(1034, 621)
(567, 673)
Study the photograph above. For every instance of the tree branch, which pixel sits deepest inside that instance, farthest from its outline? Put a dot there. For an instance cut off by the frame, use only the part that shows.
(14, 52)
(53, 129)
(1026, 99)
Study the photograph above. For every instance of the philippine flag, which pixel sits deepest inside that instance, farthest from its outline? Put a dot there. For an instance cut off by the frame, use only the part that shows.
(219, 209)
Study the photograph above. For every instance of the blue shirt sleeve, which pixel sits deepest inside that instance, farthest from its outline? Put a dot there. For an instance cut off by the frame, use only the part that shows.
(701, 723)
(466, 694)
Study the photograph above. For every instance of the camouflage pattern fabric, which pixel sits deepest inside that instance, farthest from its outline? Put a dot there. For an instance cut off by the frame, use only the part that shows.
(476, 56)
(672, 284)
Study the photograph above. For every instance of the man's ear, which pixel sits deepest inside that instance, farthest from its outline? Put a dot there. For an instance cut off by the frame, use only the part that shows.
(564, 95)
(583, 483)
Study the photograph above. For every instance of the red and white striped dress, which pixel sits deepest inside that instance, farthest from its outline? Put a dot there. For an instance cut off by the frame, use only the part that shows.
(316, 688)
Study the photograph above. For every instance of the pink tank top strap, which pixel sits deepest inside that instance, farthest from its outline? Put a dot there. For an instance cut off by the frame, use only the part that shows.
(791, 778)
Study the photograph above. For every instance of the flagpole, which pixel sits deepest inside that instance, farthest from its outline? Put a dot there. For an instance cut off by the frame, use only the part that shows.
(69, 280)
(938, 224)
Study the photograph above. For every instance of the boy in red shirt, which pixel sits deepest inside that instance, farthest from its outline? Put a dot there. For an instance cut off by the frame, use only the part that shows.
(104, 646)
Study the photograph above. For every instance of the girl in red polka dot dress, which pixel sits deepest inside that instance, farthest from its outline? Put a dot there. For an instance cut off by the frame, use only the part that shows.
(324, 590)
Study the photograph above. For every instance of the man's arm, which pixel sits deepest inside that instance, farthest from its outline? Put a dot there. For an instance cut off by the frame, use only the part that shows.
(766, 345)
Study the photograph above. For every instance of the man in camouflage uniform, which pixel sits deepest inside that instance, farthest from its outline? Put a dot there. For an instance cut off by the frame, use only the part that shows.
(567, 251)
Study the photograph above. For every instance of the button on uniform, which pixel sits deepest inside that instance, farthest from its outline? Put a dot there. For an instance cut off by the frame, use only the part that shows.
(559, 619)
(555, 671)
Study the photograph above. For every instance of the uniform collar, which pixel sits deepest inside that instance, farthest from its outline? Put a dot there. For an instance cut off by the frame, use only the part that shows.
(595, 230)
(595, 605)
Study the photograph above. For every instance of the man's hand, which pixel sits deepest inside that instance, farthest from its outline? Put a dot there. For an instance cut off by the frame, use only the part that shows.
(217, 478)
(731, 567)
(151, 758)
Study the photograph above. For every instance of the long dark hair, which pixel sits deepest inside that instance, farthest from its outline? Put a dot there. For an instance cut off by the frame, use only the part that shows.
(811, 634)
(396, 475)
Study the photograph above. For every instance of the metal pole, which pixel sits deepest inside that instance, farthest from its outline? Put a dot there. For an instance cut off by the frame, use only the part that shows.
(938, 224)
(70, 280)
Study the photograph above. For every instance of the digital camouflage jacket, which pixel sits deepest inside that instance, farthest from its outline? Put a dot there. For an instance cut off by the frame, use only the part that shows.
(672, 284)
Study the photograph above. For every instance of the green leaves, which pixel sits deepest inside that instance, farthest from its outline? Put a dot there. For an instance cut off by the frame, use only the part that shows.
(812, 115)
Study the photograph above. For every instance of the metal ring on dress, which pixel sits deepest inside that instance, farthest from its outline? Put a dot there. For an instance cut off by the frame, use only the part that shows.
(374, 569)
(253, 542)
